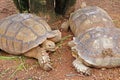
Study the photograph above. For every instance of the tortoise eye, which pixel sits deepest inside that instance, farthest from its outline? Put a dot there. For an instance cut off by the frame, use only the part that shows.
(49, 45)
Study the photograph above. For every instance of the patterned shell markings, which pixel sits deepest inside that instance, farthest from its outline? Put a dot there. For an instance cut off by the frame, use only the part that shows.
(22, 32)
(92, 43)
(89, 17)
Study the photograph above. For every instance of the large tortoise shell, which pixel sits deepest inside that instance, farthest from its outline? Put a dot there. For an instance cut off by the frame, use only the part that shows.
(88, 17)
(99, 46)
(21, 32)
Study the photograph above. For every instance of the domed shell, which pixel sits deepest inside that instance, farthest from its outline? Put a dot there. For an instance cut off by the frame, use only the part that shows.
(21, 32)
(89, 17)
(99, 46)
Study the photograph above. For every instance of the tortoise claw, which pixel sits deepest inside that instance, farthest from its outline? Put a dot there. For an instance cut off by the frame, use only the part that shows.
(87, 72)
(47, 67)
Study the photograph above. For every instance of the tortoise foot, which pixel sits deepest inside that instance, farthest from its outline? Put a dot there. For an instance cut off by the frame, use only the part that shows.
(45, 63)
(81, 68)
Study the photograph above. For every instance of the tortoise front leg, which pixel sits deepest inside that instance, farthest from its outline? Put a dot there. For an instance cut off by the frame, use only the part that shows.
(80, 67)
(42, 56)
(65, 26)
(44, 60)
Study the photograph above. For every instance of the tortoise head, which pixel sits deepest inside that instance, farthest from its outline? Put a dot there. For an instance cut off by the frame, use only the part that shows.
(49, 45)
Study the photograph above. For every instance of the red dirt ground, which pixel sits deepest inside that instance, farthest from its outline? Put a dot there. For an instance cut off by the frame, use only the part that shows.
(62, 58)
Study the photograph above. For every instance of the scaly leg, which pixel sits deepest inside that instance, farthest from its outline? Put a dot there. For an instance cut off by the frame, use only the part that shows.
(42, 56)
(80, 67)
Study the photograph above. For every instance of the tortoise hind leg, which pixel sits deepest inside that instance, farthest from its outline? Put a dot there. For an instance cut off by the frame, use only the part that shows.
(42, 56)
(80, 67)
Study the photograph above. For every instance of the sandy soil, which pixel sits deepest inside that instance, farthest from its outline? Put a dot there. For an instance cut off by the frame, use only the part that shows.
(24, 68)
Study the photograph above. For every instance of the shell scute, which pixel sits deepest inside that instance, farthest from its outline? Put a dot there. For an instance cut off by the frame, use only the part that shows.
(89, 17)
(25, 35)
(100, 48)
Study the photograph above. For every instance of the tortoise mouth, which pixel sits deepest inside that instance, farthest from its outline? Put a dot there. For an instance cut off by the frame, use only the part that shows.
(51, 49)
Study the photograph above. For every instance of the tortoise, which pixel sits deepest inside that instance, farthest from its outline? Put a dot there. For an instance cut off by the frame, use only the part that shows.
(87, 17)
(97, 47)
(30, 35)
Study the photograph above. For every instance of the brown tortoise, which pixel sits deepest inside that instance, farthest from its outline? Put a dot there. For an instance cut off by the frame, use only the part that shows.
(97, 47)
(87, 17)
(29, 35)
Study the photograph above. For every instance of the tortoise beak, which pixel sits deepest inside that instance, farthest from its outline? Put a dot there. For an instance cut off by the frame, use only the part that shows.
(52, 49)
